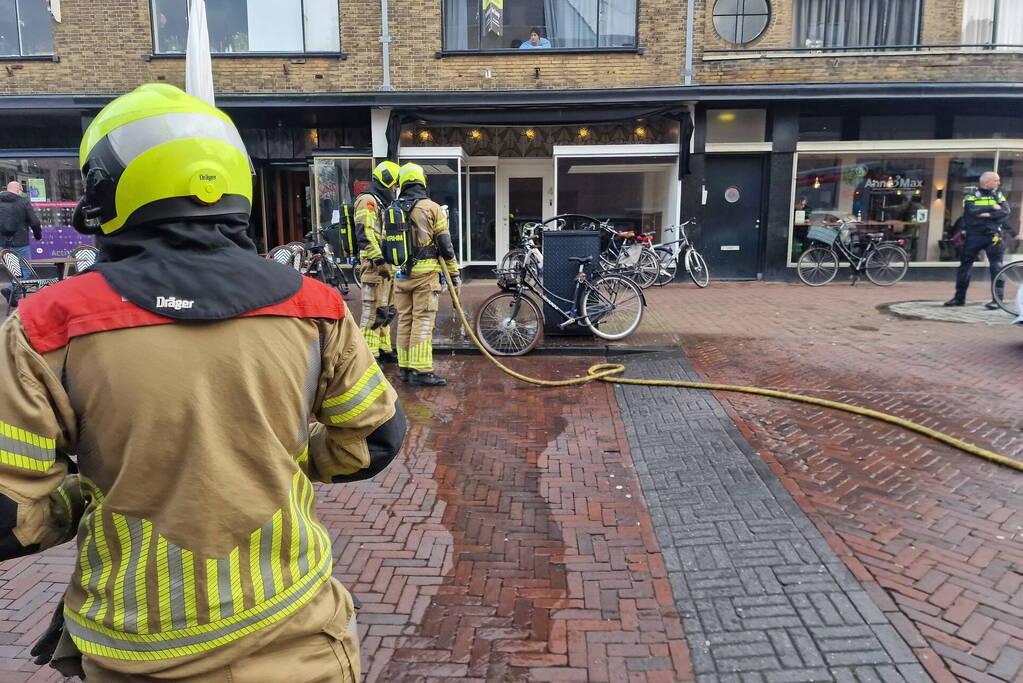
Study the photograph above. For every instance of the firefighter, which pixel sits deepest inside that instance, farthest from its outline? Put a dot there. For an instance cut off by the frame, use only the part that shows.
(180, 372)
(418, 286)
(376, 275)
(984, 212)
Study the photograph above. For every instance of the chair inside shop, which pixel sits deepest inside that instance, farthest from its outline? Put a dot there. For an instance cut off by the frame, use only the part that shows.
(84, 257)
(24, 278)
(287, 255)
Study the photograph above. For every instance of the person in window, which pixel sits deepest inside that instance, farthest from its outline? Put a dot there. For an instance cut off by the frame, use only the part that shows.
(535, 41)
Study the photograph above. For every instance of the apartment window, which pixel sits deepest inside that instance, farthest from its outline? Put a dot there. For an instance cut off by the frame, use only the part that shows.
(993, 21)
(289, 26)
(741, 21)
(509, 25)
(25, 28)
(854, 23)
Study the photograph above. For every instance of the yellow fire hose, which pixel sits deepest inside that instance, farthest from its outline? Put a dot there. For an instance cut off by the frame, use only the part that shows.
(608, 372)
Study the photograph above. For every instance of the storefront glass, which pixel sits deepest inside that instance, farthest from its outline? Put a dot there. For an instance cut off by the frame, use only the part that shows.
(442, 177)
(337, 181)
(914, 197)
(482, 219)
(635, 192)
(54, 186)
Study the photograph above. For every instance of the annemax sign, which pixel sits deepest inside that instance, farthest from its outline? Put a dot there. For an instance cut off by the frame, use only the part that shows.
(894, 183)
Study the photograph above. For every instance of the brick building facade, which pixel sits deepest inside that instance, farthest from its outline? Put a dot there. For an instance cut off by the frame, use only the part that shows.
(597, 123)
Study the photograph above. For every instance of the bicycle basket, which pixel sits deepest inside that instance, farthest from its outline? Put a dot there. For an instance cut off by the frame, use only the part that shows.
(823, 233)
(508, 279)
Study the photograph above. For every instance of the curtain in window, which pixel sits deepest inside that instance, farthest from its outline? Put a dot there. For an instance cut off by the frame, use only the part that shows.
(1010, 23)
(617, 23)
(571, 23)
(456, 24)
(837, 23)
(978, 21)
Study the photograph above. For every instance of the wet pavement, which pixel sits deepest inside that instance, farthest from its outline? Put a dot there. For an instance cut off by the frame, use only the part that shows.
(657, 534)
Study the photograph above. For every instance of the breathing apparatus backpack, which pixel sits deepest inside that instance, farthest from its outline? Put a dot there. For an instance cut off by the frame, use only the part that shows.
(399, 240)
(341, 235)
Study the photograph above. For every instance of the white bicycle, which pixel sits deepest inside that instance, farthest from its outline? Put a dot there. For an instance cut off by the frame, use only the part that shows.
(677, 243)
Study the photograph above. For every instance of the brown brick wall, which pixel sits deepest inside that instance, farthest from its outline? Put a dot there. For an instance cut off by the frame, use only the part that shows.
(103, 47)
(940, 25)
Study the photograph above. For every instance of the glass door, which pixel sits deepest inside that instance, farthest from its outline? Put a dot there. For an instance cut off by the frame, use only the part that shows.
(444, 177)
(525, 193)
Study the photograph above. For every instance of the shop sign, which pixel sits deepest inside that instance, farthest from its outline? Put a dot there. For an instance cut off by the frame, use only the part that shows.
(894, 183)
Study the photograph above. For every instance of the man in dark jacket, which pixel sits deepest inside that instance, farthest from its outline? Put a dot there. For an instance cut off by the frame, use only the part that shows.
(16, 218)
(984, 211)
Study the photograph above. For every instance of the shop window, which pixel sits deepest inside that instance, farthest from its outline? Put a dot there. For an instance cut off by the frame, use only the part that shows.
(509, 25)
(290, 26)
(851, 23)
(54, 186)
(916, 198)
(442, 178)
(741, 21)
(998, 22)
(1010, 168)
(896, 127)
(634, 192)
(337, 181)
(976, 126)
(736, 125)
(25, 28)
(481, 213)
(816, 128)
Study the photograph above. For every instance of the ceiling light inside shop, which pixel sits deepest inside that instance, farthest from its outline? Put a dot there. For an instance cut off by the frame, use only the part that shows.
(475, 134)
(424, 135)
(817, 183)
(641, 132)
(618, 168)
(584, 133)
(529, 133)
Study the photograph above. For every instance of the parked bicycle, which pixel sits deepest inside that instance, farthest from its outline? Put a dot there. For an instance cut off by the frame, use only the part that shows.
(884, 262)
(668, 254)
(1005, 288)
(629, 254)
(321, 263)
(510, 323)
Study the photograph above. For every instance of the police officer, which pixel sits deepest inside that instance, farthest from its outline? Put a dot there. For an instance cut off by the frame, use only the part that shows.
(375, 273)
(181, 371)
(984, 211)
(418, 286)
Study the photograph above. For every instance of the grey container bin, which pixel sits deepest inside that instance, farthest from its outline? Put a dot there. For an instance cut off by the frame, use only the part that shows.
(559, 273)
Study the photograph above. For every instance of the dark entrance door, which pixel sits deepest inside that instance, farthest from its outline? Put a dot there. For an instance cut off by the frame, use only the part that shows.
(730, 239)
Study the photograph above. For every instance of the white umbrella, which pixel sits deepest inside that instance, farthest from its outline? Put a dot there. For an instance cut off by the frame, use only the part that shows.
(198, 65)
(54, 6)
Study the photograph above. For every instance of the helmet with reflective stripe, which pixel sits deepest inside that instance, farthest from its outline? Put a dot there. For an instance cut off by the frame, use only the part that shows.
(159, 154)
(411, 173)
(386, 173)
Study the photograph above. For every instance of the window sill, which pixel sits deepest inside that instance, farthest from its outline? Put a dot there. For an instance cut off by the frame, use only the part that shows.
(253, 55)
(839, 53)
(540, 50)
(29, 58)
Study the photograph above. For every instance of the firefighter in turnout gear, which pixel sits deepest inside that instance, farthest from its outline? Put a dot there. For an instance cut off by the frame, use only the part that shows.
(157, 407)
(376, 275)
(417, 288)
(984, 213)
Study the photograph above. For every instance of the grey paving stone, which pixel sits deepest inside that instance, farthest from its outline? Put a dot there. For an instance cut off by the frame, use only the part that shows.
(763, 596)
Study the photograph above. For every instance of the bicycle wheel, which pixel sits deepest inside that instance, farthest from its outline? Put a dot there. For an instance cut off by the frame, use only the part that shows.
(669, 266)
(697, 268)
(509, 324)
(886, 265)
(647, 269)
(332, 276)
(612, 306)
(817, 266)
(1006, 285)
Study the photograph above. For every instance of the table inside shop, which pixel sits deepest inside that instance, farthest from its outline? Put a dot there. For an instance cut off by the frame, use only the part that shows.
(61, 263)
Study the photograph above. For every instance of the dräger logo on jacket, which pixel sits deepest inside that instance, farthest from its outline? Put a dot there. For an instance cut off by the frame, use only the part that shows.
(173, 302)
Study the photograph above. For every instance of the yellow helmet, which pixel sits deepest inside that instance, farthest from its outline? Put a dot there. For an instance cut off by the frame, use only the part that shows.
(157, 153)
(411, 173)
(386, 173)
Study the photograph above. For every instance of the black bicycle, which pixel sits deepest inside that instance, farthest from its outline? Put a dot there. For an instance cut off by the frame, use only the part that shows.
(321, 262)
(883, 262)
(510, 323)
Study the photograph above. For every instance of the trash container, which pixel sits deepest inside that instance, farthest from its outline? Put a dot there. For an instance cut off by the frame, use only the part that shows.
(559, 273)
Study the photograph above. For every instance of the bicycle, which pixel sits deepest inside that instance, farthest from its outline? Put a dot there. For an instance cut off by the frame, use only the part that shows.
(1007, 287)
(320, 262)
(668, 255)
(883, 262)
(510, 323)
(630, 254)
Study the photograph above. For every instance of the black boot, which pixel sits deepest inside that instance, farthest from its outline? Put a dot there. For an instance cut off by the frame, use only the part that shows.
(955, 302)
(426, 379)
(404, 374)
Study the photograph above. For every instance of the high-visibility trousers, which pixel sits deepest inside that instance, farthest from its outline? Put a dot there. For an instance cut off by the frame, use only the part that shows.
(417, 298)
(376, 295)
(315, 658)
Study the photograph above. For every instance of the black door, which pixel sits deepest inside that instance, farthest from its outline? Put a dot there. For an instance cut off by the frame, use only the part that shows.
(730, 238)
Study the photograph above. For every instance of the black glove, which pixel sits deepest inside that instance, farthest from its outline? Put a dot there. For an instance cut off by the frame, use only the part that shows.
(384, 316)
(47, 643)
(379, 261)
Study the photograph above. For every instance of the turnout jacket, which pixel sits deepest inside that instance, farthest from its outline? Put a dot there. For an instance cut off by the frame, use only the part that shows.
(430, 223)
(983, 201)
(198, 540)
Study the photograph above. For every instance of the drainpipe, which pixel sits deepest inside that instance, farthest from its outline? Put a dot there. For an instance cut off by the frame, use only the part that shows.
(688, 71)
(385, 39)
